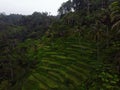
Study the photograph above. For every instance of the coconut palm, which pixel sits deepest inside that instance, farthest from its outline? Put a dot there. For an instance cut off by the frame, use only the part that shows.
(115, 15)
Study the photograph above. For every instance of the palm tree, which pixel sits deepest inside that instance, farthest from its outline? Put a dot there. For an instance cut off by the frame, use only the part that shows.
(115, 15)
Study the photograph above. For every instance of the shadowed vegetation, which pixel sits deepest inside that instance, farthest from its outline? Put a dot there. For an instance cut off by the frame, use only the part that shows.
(79, 49)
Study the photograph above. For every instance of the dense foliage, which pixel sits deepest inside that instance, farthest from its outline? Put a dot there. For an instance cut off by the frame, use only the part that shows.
(77, 50)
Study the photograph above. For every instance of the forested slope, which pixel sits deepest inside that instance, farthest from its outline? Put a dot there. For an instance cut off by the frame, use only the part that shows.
(77, 50)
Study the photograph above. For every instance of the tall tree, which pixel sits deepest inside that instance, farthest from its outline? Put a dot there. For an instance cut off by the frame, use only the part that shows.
(66, 7)
(78, 4)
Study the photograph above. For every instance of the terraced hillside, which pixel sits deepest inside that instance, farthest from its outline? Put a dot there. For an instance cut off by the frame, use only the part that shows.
(65, 64)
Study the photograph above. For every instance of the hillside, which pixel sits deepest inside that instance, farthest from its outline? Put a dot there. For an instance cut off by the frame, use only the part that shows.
(79, 49)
